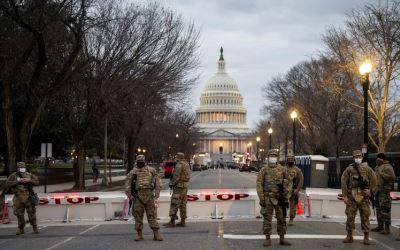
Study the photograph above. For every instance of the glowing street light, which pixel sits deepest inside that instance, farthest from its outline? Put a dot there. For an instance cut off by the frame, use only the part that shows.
(365, 69)
(294, 115)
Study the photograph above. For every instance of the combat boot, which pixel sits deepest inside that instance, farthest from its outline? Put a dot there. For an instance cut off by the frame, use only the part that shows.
(157, 236)
(171, 223)
(349, 237)
(267, 241)
(386, 230)
(19, 231)
(35, 229)
(139, 235)
(291, 222)
(182, 223)
(378, 229)
(366, 239)
(283, 241)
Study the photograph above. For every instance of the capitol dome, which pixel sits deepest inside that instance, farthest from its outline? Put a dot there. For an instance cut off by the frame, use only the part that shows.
(221, 116)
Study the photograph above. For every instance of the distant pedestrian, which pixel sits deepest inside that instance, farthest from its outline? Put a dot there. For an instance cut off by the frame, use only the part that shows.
(358, 181)
(21, 183)
(384, 180)
(95, 172)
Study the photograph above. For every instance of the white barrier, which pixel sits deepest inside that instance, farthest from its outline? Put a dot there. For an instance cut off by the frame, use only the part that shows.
(327, 203)
(208, 203)
(202, 204)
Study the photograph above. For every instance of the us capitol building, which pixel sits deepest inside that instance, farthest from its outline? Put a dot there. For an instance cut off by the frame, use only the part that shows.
(221, 118)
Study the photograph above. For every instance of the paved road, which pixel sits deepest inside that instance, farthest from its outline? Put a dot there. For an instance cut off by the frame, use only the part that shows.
(218, 234)
(220, 179)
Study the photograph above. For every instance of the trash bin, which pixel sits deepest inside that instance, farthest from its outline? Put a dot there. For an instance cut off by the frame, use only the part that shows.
(315, 170)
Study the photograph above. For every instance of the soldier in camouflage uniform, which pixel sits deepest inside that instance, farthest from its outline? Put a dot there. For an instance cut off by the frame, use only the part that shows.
(384, 178)
(269, 179)
(142, 186)
(18, 183)
(356, 197)
(295, 184)
(179, 183)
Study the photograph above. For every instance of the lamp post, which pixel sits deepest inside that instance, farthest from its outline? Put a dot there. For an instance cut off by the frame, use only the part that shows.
(293, 115)
(258, 139)
(176, 143)
(365, 69)
(249, 146)
(270, 131)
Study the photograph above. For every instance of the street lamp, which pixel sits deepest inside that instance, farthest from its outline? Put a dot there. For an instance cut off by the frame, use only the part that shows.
(139, 150)
(365, 69)
(293, 115)
(144, 151)
(258, 139)
(270, 131)
(250, 145)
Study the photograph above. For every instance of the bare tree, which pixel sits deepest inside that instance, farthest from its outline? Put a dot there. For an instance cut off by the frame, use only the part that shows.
(372, 33)
(40, 42)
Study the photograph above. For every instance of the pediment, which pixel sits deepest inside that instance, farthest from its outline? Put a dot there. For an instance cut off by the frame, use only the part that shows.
(221, 133)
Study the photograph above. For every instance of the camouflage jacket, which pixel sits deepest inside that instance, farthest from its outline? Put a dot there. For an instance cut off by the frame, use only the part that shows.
(384, 177)
(296, 178)
(18, 189)
(145, 178)
(349, 174)
(268, 180)
(181, 174)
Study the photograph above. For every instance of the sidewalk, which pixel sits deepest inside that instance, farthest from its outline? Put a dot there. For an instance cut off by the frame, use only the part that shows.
(68, 185)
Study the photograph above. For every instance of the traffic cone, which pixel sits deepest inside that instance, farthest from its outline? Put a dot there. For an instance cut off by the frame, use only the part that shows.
(300, 210)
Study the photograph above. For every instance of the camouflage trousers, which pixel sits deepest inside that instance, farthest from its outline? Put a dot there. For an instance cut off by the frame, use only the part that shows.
(267, 213)
(2, 207)
(294, 199)
(178, 201)
(383, 205)
(141, 205)
(351, 212)
(19, 210)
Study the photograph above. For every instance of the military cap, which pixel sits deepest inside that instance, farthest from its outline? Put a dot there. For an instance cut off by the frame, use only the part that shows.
(21, 164)
(180, 156)
(140, 158)
(381, 155)
(357, 153)
(273, 152)
(290, 156)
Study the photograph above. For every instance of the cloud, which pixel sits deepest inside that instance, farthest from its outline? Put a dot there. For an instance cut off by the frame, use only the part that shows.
(261, 38)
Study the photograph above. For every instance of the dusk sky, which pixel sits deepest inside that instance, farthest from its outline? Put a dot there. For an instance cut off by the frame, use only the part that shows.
(261, 38)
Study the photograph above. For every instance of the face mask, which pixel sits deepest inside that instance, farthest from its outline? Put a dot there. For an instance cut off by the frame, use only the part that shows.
(358, 160)
(290, 163)
(22, 170)
(379, 162)
(273, 160)
(140, 164)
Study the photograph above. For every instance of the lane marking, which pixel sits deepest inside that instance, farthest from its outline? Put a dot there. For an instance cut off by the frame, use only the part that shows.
(4, 241)
(60, 243)
(89, 229)
(289, 236)
(219, 177)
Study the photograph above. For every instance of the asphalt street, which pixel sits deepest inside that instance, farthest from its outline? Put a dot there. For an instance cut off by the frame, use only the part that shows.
(215, 234)
(219, 179)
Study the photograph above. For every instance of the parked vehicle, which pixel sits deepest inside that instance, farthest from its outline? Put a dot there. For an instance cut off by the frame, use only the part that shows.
(168, 166)
(255, 166)
(232, 165)
(244, 167)
(196, 167)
